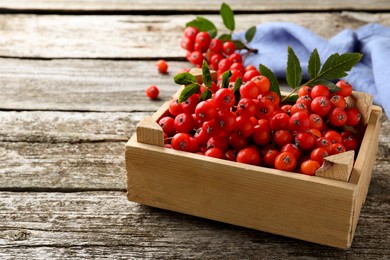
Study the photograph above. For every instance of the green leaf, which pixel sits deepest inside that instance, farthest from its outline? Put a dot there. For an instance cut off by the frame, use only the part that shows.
(225, 79)
(292, 99)
(250, 33)
(237, 85)
(336, 66)
(272, 79)
(239, 45)
(188, 91)
(204, 25)
(314, 64)
(185, 78)
(207, 94)
(293, 70)
(227, 16)
(225, 37)
(206, 74)
(331, 86)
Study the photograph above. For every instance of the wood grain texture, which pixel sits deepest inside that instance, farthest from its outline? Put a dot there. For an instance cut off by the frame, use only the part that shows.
(67, 127)
(62, 166)
(132, 36)
(83, 85)
(52, 226)
(200, 5)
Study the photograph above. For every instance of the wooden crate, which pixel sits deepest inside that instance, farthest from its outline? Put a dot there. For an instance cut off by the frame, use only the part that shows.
(311, 208)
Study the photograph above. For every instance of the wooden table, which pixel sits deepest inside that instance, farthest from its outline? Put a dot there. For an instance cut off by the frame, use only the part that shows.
(72, 80)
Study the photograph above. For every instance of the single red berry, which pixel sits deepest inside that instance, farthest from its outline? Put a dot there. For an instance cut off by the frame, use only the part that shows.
(285, 161)
(228, 47)
(249, 74)
(345, 88)
(175, 107)
(350, 143)
(305, 141)
(250, 67)
(196, 57)
(162, 66)
(299, 107)
(215, 153)
(238, 66)
(224, 65)
(168, 125)
(325, 143)
(181, 141)
(224, 98)
(237, 141)
(219, 142)
(236, 58)
(184, 123)
(333, 136)
(271, 96)
(244, 126)
(279, 121)
(337, 148)
(304, 91)
(190, 32)
(338, 101)
(319, 91)
(216, 45)
(299, 122)
(306, 100)
(211, 128)
(264, 109)
(190, 104)
(152, 92)
(215, 59)
(248, 155)
(261, 133)
(203, 39)
(353, 116)
(291, 148)
(337, 117)
(246, 107)
(262, 82)
(318, 154)
(316, 122)
(205, 110)
(282, 137)
(225, 120)
(249, 90)
(321, 106)
(309, 167)
(231, 155)
(270, 156)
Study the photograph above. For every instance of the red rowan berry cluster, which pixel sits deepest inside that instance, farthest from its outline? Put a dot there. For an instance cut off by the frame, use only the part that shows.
(251, 125)
(220, 55)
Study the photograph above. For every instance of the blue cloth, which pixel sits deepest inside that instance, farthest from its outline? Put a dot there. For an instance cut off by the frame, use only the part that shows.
(370, 75)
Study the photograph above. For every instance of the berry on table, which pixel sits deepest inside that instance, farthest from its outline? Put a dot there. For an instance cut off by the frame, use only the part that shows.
(162, 66)
(152, 92)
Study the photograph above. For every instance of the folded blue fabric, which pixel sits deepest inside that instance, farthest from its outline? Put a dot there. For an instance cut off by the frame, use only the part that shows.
(370, 75)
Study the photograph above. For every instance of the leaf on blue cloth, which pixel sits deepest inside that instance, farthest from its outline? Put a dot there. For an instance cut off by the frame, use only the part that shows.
(188, 91)
(250, 33)
(204, 25)
(336, 66)
(272, 79)
(293, 70)
(314, 64)
(227, 16)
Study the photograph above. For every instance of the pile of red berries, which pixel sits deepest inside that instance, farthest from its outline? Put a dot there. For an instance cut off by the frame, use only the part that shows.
(220, 55)
(254, 127)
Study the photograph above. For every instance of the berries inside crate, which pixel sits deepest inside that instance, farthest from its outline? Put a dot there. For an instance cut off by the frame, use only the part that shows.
(311, 208)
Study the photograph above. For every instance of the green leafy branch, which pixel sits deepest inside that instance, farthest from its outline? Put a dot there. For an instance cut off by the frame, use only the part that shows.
(227, 14)
(335, 67)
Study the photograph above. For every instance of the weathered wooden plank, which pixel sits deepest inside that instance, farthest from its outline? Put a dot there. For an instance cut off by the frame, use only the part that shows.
(200, 5)
(106, 225)
(62, 166)
(69, 127)
(83, 85)
(65, 36)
